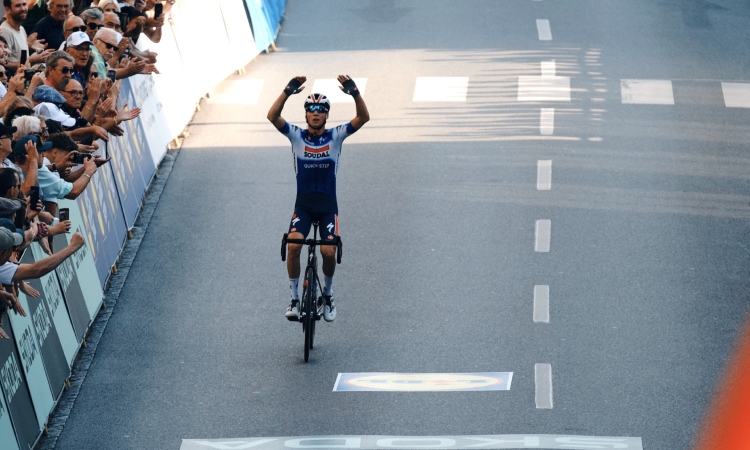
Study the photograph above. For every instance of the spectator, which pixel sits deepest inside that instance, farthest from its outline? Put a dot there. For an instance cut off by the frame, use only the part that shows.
(59, 66)
(26, 157)
(50, 28)
(3, 81)
(6, 141)
(15, 35)
(47, 101)
(26, 125)
(109, 6)
(154, 24)
(10, 272)
(78, 45)
(4, 51)
(36, 12)
(94, 19)
(71, 25)
(20, 106)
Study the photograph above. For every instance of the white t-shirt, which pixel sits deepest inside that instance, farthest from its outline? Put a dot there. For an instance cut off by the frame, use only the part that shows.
(7, 272)
(16, 41)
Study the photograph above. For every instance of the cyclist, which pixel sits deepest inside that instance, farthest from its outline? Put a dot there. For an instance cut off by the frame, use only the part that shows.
(316, 155)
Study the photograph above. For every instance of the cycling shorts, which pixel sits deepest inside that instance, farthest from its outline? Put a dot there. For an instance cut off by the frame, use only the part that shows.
(321, 210)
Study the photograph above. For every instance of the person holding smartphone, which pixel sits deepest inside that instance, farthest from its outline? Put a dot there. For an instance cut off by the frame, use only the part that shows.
(15, 35)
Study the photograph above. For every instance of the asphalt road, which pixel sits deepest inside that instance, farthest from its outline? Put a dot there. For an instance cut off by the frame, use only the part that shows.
(439, 203)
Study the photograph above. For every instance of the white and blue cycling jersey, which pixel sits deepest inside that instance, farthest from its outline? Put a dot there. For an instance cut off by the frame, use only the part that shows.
(316, 158)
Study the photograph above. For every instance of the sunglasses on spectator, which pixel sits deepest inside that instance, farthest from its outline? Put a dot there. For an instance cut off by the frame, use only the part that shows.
(316, 108)
(94, 26)
(66, 70)
(74, 92)
(76, 29)
(109, 46)
(2, 74)
(6, 137)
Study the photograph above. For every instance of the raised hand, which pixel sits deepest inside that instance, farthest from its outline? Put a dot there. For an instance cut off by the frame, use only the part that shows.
(295, 85)
(348, 85)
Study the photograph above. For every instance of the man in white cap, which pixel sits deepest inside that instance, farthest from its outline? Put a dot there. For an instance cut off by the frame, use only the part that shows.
(78, 45)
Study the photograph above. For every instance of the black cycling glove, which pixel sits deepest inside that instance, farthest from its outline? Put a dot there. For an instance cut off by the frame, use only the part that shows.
(292, 87)
(350, 88)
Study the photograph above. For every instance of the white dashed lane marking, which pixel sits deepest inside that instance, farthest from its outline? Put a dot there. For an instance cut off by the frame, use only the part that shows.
(736, 95)
(547, 121)
(441, 89)
(647, 92)
(543, 29)
(544, 174)
(543, 232)
(545, 88)
(541, 303)
(543, 385)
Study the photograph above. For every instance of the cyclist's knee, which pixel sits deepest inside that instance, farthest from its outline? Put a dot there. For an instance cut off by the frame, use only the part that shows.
(328, 251)
(295, 249)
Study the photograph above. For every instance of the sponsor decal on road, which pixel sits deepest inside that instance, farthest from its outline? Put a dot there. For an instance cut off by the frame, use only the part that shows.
(510, 441)
(423, 382)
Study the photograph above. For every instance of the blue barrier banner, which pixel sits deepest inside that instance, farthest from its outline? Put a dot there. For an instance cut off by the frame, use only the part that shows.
(78, 278)
(7, 435)
(131, 159)
(32, 365)
(16, 390)
(53, 357)
(265, 16)
(49, 288)
(102, 218)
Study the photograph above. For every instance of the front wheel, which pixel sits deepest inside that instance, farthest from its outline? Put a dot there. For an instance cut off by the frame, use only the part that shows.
(309, 314)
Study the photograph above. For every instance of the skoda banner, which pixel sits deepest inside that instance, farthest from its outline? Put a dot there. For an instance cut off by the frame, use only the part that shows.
(50, 296)
(50, 348)
(16, 390)
(7, 435)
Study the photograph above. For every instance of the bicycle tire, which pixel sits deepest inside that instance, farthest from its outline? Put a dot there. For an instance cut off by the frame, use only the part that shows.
(309, 318)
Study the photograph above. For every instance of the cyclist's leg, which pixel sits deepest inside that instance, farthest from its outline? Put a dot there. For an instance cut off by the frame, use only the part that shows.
(298, 229)
(329, 229)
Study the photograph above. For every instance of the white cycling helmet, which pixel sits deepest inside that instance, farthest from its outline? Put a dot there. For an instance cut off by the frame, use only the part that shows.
(318, 99)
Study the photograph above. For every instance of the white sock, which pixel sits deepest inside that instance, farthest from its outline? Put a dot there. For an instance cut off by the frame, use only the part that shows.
(328, 288)
(293, 284)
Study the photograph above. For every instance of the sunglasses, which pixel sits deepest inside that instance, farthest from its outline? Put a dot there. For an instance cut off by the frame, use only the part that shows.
(76, 29)
(66, 70)
(316, 108)
(94, 26)
(2, 74)
(109, 46)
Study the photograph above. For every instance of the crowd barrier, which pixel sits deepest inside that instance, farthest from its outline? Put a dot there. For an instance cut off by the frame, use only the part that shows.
(36, 362)
(265, 17)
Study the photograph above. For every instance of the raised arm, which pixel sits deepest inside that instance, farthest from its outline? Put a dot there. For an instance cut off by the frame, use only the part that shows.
(274, 114)
(349, 87)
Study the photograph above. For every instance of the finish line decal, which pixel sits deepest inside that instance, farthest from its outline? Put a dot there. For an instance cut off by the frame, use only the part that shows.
(423, 382)
(546, 441)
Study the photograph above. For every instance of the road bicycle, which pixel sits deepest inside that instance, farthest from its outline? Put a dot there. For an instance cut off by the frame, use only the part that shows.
(311, 305)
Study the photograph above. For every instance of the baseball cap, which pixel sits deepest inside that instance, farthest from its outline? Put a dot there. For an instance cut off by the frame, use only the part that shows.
(52, 111)
(7, 131)
(77, 38)
(9, 225)
(9, 239)
(8, 207)
(20, 146)
(46, 93)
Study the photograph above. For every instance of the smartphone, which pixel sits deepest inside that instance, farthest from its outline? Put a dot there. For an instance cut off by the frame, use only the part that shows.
(111, 75)
(28, 74)
(158, 8)
(64, 214)
(124, 22)
(34, 197)
(24, 56)
(79, 158)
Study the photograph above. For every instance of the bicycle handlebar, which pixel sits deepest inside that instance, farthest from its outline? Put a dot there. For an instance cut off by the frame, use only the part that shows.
(337, 242)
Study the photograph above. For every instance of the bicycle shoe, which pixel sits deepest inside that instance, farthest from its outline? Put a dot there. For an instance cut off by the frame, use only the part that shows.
(292, 312)
(329, 311)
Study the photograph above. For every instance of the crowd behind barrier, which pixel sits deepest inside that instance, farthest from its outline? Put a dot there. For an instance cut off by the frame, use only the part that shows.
(100, 156)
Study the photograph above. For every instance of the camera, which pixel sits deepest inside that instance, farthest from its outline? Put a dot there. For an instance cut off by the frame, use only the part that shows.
(64, 214)
(111, 75)
(79, 158)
